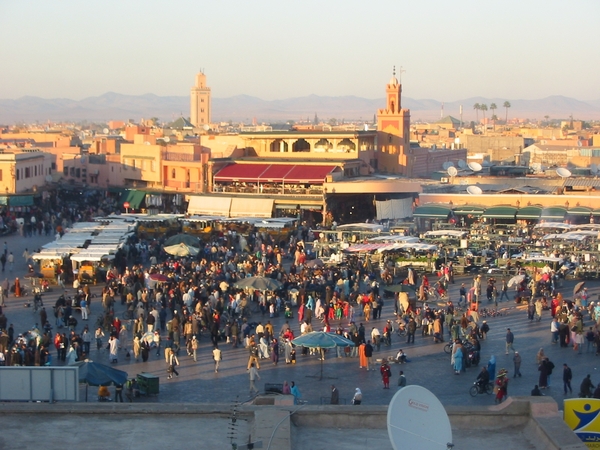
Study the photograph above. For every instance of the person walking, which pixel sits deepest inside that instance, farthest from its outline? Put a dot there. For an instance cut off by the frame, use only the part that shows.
(295, 392)
(401, 380)
(357, 399)
(504, 290)
(411, 329)
(585, 390)
(369, 354)
(217, 357)
(517, 363)
(386, 373)
(335, 395)
(194, 345)
(567, 377)
(254, 376)
(510, 339)
(172, 363)
(11, 261)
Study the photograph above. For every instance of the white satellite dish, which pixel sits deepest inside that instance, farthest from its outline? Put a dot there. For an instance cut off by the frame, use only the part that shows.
(105, 131)
(475, 166)
(462, 164)
(563, 173)
(167, 139)
(452, 171)
(413, 413)
(49, 178)
(474, 190)
(594, 168)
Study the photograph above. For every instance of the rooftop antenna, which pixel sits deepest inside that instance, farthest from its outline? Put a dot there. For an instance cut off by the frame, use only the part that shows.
(442, 111)
(400, 72)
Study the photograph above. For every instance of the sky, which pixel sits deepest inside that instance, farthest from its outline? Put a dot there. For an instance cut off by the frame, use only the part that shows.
(274, 49)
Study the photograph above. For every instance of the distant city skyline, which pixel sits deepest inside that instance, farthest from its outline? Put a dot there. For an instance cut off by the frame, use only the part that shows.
(273, 50)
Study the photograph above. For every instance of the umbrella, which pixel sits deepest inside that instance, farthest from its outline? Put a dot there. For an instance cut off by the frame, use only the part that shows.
(515, 280)
(314, 263)
(181, 250)
(578, 287)
(158, 277)
(400, 288)
(322, 339)
(258, 283)
(96, 374)
(182, 239)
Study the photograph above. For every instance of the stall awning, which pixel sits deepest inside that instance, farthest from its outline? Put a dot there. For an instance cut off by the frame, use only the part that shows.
(20, 200)
(580, 211)
(251, 207)
(553, 213)
(274, 173)
(209, 206)
(432, 211)
(465, 210)
(529, 213)
(133, 197)
(500, 212)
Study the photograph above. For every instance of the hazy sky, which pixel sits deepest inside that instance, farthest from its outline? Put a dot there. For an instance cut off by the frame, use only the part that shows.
(275, 49)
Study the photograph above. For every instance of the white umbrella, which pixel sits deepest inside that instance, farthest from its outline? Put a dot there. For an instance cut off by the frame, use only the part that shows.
(181, 250)
(515, 280)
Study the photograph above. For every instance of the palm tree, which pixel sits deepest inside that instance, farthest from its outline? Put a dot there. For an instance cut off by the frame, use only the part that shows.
(477, 107)
(506, 105)
(493, 108)
(483, 108)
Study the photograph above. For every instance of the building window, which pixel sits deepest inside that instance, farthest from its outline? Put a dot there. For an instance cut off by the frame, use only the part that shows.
(0, 174)
(35, 171)
(66, 171)
(173, 173)
(153, 166)
(27, 172)
(53, 166)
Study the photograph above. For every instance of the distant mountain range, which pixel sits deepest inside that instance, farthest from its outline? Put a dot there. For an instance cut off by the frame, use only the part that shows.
(244, 108)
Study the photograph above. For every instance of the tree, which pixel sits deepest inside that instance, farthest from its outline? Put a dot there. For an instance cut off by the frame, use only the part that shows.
(477, 107)
(493, 108)
(506, 106)
(483, 108)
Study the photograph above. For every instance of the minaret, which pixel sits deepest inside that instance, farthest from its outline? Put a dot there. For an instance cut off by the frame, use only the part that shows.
(200, 102)
(393, 127)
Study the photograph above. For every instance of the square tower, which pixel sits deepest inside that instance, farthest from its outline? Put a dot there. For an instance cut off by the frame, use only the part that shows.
(200, 102)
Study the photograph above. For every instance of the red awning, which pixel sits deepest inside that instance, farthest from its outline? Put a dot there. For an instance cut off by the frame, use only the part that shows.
(274, 173)
(241, 172)
(308, 174)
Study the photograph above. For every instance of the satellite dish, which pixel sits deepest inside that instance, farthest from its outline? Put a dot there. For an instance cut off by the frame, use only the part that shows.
(452, 171)
(447, 165)
(475, 167)
(411, 415)
(167, 139)
(563, 173)
(146, 143)
(462, 164)
(49, 178)
(474, 190)
(594, 168)
(105, 131)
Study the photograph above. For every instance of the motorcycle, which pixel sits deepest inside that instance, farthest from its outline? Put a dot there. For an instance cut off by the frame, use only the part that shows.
(478, 389)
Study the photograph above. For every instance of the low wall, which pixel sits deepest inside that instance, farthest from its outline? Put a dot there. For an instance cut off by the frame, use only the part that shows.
(537, 417)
